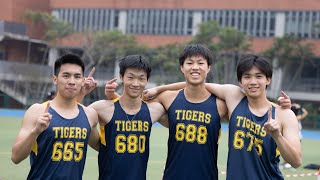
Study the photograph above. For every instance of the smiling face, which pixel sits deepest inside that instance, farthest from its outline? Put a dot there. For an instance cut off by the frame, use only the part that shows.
(134, 82)
(254, 82)
(195, 69)
(69, 80)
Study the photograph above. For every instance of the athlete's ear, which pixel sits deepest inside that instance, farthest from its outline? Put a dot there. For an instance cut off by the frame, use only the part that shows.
(181, 69)
(54, 79)
(268, 81)
(120, 78)
(240, 84)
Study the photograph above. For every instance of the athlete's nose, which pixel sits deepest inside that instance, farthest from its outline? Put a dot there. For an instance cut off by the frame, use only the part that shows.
(135, 82)
(253, 80)
(71, 81)
(195, 66)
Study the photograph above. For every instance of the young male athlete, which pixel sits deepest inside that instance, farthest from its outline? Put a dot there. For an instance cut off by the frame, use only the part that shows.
(125, 124)
(56, 133)
(194, 120)
(258, 131)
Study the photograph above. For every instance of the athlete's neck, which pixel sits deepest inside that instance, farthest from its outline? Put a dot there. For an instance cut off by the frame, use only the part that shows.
(130, 105)
(259, 106)
(196, 93)
(64, 103)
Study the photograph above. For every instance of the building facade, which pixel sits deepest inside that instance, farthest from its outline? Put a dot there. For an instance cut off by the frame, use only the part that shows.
(156, 23)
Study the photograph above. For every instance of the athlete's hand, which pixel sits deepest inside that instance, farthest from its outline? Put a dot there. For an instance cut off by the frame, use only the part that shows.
(272, 127)
(110, 88)
(149, 94)
(43, 121)
(284, 101)
(89, 83)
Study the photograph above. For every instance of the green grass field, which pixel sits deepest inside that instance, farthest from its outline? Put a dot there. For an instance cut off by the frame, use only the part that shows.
(9, 171)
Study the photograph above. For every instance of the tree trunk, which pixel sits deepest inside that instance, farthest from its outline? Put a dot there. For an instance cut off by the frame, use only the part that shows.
(296, 74)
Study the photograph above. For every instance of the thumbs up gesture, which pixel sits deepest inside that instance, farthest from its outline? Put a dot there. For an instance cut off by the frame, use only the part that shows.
(43, 121)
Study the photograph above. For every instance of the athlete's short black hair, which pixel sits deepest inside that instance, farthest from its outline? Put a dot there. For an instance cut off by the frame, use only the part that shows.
(196, 50)
(68, 59)
(248, 61)
(135, 62)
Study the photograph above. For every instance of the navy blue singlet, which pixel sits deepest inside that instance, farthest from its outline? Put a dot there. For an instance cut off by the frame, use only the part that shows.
(194, 130)
(124, 149)
(60, 151)
(253, 154)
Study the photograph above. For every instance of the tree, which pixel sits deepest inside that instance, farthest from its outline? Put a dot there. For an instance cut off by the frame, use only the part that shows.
(105, 47)
(165, 63)
(232, 43)
(226, 44)
(55, 28)
(290, 51)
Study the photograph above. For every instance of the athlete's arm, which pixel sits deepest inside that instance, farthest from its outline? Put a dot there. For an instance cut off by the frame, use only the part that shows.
(153, 92)
(33, 124)
(304, 114)
(233, 93)
(94, 140)
(158, 113)
(222, 109)
(164, 121)
(284, 130)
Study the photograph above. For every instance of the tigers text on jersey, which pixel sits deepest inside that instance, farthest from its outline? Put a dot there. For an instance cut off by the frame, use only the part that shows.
(124, 149)
(253, 154)
(194, 130)
(60, 151)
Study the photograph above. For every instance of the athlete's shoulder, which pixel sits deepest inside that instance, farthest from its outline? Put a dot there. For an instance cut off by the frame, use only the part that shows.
(87, 110)
(91, 114)
(102, 104)
(37, 108)
(166, 98)
(169, 94)
(282, 112)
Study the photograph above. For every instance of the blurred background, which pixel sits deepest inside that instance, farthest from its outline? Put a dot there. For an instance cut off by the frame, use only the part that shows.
(34, 33)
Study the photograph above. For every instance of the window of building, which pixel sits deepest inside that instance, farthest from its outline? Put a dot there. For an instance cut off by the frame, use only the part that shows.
(2, 55)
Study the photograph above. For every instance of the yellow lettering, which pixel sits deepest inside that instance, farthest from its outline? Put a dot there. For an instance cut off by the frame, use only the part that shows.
(208, 118)
(71, 133)
(244, 122)
(195, 115)
(248, 123)
(183, 114)
(146, 126)
(252, 126)
(78, 132)
(66, 132)
(263, 132)
(239, 118)
(201, 116)
(128, 125)
(56, 130)
(123, 125)
(178, 114)
(118, 125)
(139, 126)
(188, 115)
(134, 125)
(84, 133)
(257, 129)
